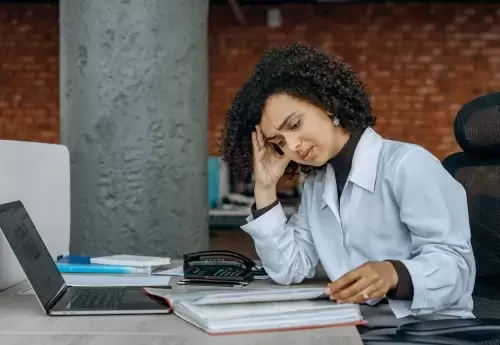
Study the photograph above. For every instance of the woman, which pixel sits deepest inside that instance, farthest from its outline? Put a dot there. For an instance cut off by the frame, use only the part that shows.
(384, 218)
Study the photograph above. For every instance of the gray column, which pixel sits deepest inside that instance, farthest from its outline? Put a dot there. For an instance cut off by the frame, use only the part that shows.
(134, 107)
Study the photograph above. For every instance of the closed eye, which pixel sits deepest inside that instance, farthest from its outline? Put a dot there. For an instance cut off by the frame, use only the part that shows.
(295, 125)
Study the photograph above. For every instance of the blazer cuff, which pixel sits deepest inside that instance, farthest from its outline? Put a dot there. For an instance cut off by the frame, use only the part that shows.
(404, 289)
(257, 213)
(267, 224)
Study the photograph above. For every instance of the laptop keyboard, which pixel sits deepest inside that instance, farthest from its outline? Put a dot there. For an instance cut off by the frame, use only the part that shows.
(107, 298)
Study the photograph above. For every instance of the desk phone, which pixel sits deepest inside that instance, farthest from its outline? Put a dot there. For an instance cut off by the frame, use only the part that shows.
(219, 266)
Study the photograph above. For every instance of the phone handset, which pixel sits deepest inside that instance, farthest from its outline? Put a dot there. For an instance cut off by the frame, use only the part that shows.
(215, 256)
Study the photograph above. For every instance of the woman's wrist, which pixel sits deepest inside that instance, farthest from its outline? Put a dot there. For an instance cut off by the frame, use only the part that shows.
(264, 195)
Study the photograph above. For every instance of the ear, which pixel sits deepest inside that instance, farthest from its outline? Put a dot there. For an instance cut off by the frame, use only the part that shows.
(335, 119)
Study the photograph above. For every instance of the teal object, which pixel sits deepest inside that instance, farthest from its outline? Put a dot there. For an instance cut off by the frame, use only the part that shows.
(213, 181)
(105, 269)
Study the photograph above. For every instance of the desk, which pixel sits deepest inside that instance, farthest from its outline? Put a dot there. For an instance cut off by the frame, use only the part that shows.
(23, 322)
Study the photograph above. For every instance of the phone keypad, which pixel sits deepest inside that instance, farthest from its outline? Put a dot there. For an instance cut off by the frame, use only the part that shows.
(229, 272)
(220, 272)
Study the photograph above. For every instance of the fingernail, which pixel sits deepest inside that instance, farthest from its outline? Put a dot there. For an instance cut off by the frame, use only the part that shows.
(328, 291)
(340, 301)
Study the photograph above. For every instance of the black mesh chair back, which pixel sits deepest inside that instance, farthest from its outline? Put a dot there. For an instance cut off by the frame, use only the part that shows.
(477, 168)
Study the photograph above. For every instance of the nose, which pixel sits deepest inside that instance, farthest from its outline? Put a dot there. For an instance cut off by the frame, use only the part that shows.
(293, 144)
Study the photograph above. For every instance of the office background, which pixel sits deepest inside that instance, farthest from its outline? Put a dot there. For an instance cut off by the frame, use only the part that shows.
(420, 61)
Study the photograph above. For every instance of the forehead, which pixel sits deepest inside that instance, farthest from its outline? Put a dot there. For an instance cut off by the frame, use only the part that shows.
(276, 110)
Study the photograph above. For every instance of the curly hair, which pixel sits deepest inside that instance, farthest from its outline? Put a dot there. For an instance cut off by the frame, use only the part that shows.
(305, 73)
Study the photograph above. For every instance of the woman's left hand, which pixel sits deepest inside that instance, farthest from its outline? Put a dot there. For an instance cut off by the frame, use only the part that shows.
(371, 280)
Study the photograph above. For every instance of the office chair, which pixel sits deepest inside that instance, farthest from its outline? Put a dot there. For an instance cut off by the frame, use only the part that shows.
(477, 168)
(39, 175)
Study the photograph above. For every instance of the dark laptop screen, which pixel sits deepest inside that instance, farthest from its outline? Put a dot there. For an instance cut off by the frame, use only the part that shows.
(31, 252)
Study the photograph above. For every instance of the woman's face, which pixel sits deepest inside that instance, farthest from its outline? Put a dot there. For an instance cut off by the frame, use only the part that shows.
(302, 131)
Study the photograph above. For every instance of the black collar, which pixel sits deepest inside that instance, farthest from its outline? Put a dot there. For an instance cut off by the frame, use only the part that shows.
(342, 162)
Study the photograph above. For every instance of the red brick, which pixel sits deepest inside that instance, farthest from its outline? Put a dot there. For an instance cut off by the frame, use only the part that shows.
(421, 62)
(29, 105)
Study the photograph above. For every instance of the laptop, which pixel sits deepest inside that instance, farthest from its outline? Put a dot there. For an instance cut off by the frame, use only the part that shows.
(52, 292)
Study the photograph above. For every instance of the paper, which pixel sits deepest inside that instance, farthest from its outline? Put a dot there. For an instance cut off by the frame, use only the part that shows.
(262, 295)
(241, 296)
(118, 280)
(219, 312)
(276, 309)
(174, 272)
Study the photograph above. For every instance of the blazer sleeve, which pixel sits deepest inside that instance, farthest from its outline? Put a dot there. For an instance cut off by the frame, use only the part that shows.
(434, 207)
(285, 248)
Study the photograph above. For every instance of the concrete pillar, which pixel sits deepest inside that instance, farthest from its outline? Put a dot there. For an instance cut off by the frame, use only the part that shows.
(134, 107)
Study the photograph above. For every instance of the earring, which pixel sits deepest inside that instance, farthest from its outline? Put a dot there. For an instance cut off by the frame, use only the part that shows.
(336, 121)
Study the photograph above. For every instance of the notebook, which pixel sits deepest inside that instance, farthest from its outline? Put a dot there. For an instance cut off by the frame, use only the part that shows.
(131, 260)
(258, 310)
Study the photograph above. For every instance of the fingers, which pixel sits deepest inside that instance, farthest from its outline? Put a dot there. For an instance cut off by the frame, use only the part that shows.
(375, 290)
(259, 137)
(283, 159)
(344, 281)
(255, 143)
(366, 282)
(352, 291)
(372, 291)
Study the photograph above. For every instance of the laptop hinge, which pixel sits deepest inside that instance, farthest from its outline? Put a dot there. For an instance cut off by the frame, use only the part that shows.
(57, 296)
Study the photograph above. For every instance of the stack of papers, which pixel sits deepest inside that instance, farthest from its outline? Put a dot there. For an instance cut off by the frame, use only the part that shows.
(115, 264)
(115, 270)
(251, 310)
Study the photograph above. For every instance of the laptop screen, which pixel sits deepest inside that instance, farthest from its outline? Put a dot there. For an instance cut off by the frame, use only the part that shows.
(28, 247)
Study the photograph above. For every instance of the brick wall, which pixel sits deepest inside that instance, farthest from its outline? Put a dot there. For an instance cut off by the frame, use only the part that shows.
(421, 62)
(29, 65)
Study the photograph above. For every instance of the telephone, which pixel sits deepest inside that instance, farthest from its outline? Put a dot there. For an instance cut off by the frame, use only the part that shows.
(220, 266)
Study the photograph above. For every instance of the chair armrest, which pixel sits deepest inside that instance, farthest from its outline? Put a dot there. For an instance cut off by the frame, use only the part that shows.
(465, 329)
(398, 339)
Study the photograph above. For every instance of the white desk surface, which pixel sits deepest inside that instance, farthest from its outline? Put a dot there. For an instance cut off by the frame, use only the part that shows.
(23, 322)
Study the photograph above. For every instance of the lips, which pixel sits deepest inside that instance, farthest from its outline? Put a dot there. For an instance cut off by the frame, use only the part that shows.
(305, 155)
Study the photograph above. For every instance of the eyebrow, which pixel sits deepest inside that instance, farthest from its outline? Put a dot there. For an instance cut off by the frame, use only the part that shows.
(282, 125)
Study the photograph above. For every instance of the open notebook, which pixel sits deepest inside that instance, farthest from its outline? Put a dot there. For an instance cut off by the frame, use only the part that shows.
(251, 310)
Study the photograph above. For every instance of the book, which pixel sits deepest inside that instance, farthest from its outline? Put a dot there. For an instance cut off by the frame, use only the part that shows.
(73, 259)
(258, 310)
(83, 264)
(101, 269)
(131, 260)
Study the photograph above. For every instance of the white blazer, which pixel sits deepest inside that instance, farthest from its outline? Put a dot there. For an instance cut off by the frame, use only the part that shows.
(398, 203)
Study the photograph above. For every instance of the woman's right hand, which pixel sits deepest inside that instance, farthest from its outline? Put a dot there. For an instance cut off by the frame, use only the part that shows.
(268, 165)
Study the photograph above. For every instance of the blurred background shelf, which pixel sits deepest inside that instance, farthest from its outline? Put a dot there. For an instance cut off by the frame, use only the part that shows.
(229, 217)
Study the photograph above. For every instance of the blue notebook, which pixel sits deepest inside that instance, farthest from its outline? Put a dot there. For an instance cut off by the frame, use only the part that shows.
(81, 264)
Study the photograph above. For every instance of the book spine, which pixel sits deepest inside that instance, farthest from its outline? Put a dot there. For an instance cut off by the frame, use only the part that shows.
(106, 269)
